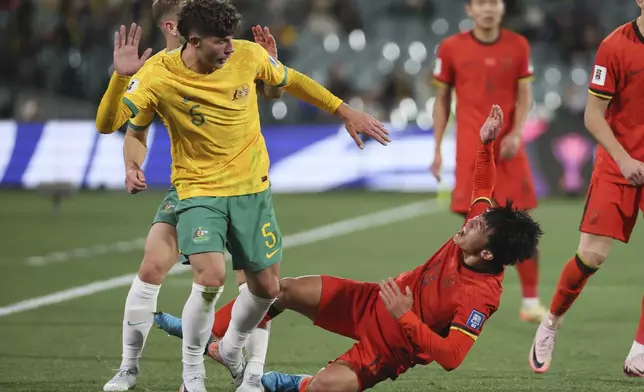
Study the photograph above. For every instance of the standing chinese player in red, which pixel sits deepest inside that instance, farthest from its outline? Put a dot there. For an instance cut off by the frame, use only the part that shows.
(484, 66)
(434, 313)
(615, 117)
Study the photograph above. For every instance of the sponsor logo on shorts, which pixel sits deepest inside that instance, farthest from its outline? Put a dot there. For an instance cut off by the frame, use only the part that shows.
(269, 255)
(475, 321)
(200, 235)
(168, 207)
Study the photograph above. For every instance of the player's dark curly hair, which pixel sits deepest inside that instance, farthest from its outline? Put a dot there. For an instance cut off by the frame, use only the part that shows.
(208, 18)
(514, 234)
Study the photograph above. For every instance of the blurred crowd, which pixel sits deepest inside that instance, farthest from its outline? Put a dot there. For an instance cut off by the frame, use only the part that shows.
(57, 53)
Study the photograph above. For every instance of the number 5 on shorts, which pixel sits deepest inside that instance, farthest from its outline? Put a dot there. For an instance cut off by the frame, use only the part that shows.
(271, 240)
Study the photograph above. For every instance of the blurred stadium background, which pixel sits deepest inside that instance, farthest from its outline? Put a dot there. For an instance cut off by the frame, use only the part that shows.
(72, 238)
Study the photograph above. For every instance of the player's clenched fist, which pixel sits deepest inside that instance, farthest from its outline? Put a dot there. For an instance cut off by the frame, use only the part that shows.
(135, 180)
(357, 122)
(492, 126)
(126, 51)
(396, 302)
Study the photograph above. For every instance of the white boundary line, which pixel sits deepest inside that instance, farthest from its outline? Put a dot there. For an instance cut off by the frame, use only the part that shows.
(317, 234)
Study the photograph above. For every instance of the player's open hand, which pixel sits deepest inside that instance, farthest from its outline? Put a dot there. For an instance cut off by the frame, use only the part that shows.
(357, 122)
(510, 146)
(135, 180)
(126, 51)
(492, 127)
(633, 171)
(396, 302)
(265, 39)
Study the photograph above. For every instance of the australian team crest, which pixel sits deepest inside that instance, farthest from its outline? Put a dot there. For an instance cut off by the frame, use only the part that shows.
(200, 235)
(168, 207)
(241, 92)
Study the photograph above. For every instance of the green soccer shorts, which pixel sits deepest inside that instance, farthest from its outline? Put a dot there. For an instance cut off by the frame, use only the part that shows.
(245, 225)
(166, 211)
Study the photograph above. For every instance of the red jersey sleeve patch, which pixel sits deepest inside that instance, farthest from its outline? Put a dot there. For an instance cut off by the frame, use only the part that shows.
(443, 66)
(604, 77)
(474, 309)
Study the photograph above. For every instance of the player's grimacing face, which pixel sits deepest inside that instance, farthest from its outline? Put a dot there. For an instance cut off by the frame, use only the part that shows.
(472, 238)
(216, 51)
(486, 13)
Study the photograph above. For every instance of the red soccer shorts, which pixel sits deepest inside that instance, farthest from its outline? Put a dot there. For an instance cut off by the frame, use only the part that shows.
(513, 181)
(611, 209)
(354, 309)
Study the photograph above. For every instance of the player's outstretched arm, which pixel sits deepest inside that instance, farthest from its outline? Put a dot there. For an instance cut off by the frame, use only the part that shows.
(356, 122)
(485, 170)
(112, 112)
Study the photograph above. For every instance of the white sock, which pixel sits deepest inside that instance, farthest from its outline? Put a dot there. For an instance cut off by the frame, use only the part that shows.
(247, 313)
(140, 305)
(256, 349)
(530, 302)
(198, 317)
(636, 349)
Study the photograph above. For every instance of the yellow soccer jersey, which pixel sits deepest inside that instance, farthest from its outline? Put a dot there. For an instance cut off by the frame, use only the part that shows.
(213, 119)
(143, 120)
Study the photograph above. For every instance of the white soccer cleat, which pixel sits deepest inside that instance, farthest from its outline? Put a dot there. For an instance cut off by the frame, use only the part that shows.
(194, 383)
(543, 345)
(634, 367)
(124, 380)
(251, 383)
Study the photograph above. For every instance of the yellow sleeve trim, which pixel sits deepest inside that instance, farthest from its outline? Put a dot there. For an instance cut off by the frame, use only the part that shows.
(437, 82)
(598, 95)
(483, 199)
(465, 332)
(529, 78)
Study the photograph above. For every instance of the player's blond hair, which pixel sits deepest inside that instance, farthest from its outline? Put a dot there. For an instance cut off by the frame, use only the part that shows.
(163, 8)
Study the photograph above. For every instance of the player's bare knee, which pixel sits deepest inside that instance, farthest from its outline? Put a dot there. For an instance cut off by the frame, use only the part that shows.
(591, 259)
(264, 283)
(593, 249)
(208, 269)
(153, 272)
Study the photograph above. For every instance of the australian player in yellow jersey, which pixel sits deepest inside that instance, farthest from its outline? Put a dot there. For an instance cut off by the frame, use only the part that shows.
(206, 94)
(160, 252)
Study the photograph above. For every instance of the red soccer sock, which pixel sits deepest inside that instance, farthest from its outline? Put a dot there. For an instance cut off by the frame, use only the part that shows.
(639, 335)
(528, 271)
(571, 281)
(304, 385)
(224, 315)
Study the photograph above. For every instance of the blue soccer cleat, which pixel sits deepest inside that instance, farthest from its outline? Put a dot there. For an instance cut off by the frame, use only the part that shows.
(170, 324)
(281, 382)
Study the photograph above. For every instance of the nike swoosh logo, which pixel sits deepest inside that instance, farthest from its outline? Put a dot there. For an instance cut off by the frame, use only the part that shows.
(633, 73)
(270, 255)
(131, 324)
(536, 362)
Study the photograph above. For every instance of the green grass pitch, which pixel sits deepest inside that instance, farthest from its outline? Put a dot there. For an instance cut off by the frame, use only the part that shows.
(75, 345)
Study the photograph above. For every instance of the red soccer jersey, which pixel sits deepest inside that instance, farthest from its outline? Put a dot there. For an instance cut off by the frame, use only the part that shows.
(618, 76)
(482, 74)
(450, 295)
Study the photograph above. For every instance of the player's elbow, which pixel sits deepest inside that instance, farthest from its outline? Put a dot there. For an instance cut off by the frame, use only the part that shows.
(104, 128)
(451, 363)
